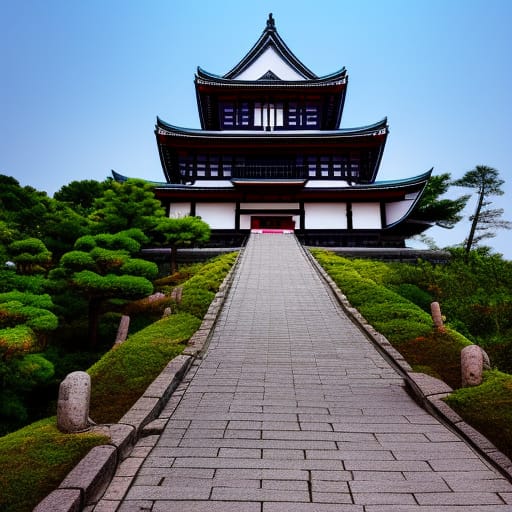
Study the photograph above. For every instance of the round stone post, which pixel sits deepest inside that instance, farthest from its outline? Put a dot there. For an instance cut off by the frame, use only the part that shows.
(472, 365)
(435, 308)
(73, 403)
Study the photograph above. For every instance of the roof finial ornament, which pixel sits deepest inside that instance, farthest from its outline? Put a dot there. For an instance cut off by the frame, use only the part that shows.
(271, 22)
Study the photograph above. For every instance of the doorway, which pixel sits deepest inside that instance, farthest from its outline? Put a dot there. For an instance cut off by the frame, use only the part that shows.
(273, 222)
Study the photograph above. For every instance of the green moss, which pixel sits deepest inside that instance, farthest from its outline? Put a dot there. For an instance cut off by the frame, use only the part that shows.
(35, 459)
(125, 371)
(488, 408)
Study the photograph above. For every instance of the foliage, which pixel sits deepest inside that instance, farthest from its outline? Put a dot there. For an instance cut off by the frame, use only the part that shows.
(122, 206)
(35, 459)
(443, 212)
(484, 221)
(488, 408)
(181, 232)
(30, 255)
(80, 195)
(25, 321)
(28, 213)
(101, 267)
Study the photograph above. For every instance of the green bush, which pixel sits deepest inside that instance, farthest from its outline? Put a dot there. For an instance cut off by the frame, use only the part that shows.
(141, 268)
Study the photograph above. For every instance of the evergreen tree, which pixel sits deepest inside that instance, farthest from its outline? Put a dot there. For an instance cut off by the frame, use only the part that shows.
(443, 212)
(102, 267)
(486, 181)
(127, 205)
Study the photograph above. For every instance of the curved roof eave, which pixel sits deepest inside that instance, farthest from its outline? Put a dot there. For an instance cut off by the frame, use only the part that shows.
(214, 79)
(400, 183)
(223, 134)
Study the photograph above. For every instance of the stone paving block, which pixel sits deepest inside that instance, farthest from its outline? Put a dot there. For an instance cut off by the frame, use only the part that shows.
(436, 508)
(154, 492)
(310, 507)
(224, 493)
(285, 485)
(275, 475)
(117, 488)
(327, 475)
(205, 506)
(106, 506)
(388, 498)
(129, 467)
(346, 455)
(270, 453)
(135, 506)
(398, 486)
(458, 498)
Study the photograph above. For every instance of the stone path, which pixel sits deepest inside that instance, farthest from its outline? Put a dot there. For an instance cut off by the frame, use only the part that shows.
(292, 409)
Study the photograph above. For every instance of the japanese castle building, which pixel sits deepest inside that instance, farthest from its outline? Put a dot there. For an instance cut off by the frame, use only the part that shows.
(270, 156)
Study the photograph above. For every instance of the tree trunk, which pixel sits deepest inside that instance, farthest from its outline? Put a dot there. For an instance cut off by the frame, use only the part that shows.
(474, 224)
(94, 317)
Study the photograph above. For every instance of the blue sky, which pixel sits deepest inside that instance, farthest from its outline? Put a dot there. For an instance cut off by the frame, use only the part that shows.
(83, 82)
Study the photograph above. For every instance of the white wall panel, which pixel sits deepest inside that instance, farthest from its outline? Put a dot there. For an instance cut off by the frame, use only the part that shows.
(177, 210)
(366, 216)
(325, 215)
(217, 215)
(395, 211)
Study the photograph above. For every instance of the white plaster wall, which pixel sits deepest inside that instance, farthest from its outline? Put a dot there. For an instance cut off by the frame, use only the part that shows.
(395, 211)
(269, 60)
(177, 210)
(217, 215)
(269, 206)
(325, 215)
(366, 216)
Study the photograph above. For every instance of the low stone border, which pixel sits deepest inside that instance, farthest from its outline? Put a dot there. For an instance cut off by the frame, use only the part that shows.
(427, 390)
(88, 480)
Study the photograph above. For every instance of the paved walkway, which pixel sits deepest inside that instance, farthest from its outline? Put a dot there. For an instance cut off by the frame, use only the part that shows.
(293, 410)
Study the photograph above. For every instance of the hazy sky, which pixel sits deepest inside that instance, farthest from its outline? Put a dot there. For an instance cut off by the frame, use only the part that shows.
(83, 81)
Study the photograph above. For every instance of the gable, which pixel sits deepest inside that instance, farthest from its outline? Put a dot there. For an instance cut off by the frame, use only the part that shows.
(269, 60)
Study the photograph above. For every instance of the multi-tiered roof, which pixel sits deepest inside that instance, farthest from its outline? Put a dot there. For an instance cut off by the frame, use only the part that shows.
(270, 135)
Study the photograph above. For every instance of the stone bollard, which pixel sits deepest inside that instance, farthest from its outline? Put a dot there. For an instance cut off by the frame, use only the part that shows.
(167, 312)
(122, 330)
(177, 293)
(435, 308)
(73, 403)
(472, 365)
